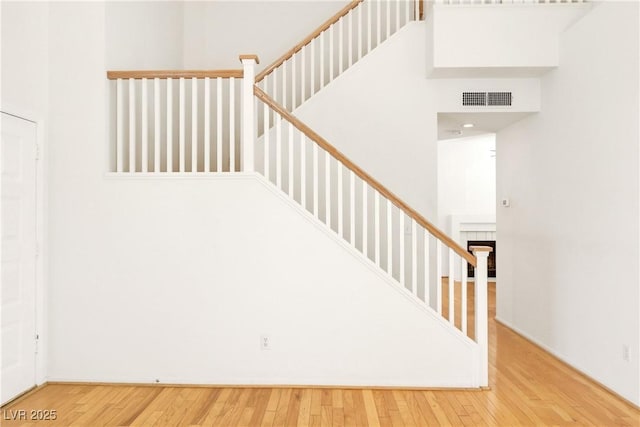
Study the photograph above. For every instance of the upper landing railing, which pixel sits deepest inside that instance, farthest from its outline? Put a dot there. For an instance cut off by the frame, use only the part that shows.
(334, 47)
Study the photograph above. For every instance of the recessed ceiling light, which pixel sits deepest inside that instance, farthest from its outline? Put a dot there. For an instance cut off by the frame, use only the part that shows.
(467, 125)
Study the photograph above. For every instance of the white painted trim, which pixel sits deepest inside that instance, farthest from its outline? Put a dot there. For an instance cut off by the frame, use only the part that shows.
(179, 175)
(41, 236)
(256, 382)
(458, 224)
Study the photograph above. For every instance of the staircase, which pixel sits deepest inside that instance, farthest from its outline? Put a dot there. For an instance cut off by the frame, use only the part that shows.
(236, 122)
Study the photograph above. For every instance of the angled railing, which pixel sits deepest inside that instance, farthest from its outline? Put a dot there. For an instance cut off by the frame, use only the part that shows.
(333, 47)
(372, 219)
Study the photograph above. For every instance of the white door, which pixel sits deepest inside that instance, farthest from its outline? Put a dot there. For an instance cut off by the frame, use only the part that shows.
(18, 269)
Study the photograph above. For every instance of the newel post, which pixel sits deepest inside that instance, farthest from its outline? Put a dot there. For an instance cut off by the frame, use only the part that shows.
(248, 113)
(481, 308)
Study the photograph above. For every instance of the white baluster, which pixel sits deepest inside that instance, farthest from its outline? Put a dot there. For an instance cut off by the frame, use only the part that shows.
(359, 11)
(132, 125)
(316, 167)
(350, 39)
(365, 228)
(207, 124)
(181, 126)
(267, 151)
(352, 208)
(145, 128)
(377, 227)
(427, 272)
(452, 286)
(369, 25)
(327, 188)
(439, 275)
(378, 22)
(463, 303)
(248, 122)
(402, 260)
(389, 238)
(303, 74)
(290, 161)
(303, 170)
(275, 87)
(416, 13)
(340, 25)
(194, 125)
(278, 119)
(397, 14)
(219, 125)
(284, 85)
(388, 27)
(169, 125)
(294, 87)
(156, 125)
(407, 11)
(331, 53)
(414, 257)
(312, 79)
(340, 201)
(322, 52)
(232, 124)
(119, 127)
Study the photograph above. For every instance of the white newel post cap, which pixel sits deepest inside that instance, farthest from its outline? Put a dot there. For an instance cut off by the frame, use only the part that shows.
(482, 251)
(248, 59)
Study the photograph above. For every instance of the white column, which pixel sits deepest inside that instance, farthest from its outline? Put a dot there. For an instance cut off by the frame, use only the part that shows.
(248, 113)
(480, 310)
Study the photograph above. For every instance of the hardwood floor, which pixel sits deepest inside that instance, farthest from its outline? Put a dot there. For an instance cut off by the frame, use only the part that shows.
(528, 387)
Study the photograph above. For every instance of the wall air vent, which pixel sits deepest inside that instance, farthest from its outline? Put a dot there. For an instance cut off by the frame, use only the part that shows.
(474, 98)
(482, 99)
(499, 98)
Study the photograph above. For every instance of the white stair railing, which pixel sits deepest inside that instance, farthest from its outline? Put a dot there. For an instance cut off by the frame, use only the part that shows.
(366, 215)
(334, 47)
(176, 121)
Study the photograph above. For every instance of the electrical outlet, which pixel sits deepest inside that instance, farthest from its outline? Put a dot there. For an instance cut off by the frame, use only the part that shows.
(505, 203)
(625, 353)
(265, 342)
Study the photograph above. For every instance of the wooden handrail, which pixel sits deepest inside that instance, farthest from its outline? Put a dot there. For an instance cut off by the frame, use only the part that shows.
(173, 74)
(329, 22)
(260, 94)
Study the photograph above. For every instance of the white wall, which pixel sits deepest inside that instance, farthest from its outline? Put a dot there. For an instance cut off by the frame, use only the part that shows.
(381, 114)
(569, 242)
(144, 35)
(497, 40)
(466, 177)
(216, 32)
(25, 64)
(175, 286)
